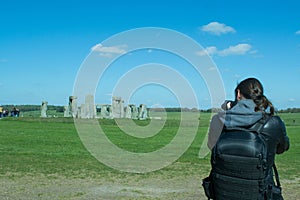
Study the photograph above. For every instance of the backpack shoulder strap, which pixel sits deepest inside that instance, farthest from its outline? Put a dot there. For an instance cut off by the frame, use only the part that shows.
(276, 175)
(258, 126)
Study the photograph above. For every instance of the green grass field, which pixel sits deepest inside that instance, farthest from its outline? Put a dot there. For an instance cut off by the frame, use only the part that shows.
(47, 153)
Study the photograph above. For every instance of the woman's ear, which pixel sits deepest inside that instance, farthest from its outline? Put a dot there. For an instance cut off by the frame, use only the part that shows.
(238, 96)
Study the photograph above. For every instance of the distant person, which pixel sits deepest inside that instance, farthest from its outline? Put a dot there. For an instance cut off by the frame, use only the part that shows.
(1, 112)
(15, 112)
(244, 140)
(5, 113)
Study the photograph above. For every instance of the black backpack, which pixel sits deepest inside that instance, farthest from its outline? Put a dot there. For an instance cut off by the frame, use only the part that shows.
(239, 167)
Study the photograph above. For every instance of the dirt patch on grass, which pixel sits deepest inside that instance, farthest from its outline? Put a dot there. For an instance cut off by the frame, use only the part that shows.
(41, 187)
(129, 186)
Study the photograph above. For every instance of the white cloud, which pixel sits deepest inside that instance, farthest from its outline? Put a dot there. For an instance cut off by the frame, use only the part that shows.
(208, 51)
(253, 52)
(217, 28)
(239, 49)
(108, 51)
(292, 99)
(298, 32)
(107, 55)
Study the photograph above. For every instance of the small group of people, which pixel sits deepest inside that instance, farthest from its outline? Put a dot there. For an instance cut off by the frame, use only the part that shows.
(15, 112)
(246, 124)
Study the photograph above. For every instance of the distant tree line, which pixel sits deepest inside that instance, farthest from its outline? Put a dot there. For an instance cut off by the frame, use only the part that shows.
(290, 110)
(26, 108)
(173, 109)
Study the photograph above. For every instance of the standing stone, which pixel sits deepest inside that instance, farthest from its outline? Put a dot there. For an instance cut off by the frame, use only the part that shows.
(143, 114)
(117, 107)
(105, 112)
(131, 112)
(90, 109)
(134, 112)
(102, 111)
(73, 106)
(128, 112)
(81, 112)
(66, 111)
(44, 109)
(97, 110)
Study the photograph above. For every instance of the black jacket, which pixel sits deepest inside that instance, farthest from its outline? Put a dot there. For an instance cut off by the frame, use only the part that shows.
(243, 115)
(276, 138)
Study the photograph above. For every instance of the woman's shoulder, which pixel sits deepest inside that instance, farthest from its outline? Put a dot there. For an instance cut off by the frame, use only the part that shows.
(274, 122)
(276, 119)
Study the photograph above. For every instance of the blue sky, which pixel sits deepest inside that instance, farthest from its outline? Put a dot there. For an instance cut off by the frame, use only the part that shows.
(44, 43)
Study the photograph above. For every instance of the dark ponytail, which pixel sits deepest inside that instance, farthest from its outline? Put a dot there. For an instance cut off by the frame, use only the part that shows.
(251, 88)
